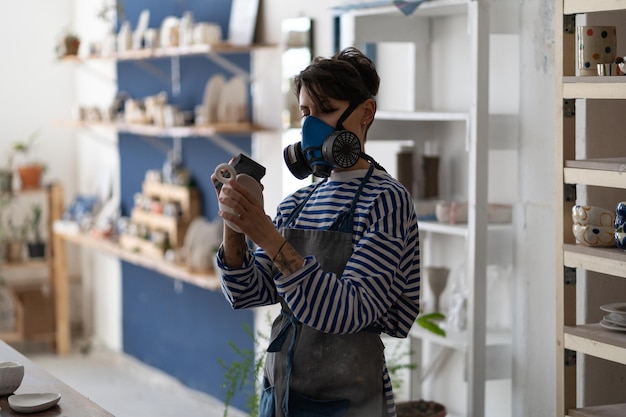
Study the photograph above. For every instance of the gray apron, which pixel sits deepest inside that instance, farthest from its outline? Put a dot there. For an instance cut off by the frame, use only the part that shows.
(318, 374)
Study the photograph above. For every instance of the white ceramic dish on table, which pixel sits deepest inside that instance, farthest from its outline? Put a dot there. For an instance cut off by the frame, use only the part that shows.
(33, 403)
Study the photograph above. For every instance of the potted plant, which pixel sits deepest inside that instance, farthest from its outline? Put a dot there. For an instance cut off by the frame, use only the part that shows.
(68, 44)
(29, 171)
(71, 42)
(36, 245)
(14, 241)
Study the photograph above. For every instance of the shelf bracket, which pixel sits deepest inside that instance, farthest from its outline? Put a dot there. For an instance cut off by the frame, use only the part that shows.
(443, 354)
(148, 67)
(569, 275)
(175, 66)
(569, 23)
(228, 65)
(156, 143)
(569, 357)
(569, 108)
(569, 192)
(224, 144)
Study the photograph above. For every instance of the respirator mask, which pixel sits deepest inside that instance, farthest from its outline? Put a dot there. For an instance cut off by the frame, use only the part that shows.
(323, 148)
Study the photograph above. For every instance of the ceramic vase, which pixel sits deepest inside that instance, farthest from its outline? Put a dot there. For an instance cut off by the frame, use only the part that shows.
(437, 277)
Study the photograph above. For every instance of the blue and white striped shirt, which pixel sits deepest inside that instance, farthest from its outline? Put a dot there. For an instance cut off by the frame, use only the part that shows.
(381, 282)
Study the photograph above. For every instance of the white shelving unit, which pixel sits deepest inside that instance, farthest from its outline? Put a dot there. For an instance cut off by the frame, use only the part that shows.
(588, 171)
(447, 102)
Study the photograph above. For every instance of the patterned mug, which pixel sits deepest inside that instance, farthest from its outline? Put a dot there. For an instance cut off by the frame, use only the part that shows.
(595, 45)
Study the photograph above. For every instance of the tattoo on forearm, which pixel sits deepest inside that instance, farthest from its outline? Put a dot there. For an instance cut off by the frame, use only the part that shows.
(288, 260)
(235, 254)
(242, 249)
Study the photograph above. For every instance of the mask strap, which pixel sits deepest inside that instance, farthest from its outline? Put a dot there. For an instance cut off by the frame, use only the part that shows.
(372, 161)
(345, 115)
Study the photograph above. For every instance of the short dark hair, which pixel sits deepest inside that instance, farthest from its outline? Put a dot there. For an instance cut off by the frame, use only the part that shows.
(349, 75)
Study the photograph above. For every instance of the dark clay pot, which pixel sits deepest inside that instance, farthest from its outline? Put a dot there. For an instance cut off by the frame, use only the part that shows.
(420, 408)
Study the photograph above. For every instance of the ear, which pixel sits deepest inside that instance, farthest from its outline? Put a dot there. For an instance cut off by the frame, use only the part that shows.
(368, 111)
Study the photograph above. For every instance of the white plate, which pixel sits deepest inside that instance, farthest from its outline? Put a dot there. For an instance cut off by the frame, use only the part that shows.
(232, 105)
(212, 92)
(32, 403)
(619, 308)
(610, 318)
(616, 318)
(610, 326)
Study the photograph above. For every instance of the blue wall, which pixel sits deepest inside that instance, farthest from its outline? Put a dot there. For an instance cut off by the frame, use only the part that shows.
(181, 332)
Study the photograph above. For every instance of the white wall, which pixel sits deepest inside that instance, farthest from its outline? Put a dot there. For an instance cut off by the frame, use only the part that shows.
(36, 91)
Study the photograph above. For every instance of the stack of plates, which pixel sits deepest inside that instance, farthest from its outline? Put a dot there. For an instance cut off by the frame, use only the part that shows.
(616, 319)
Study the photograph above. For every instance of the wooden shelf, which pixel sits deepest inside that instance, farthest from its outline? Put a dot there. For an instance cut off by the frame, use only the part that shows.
(595, 340)
(179, 51)
(177, 131)
(576, 383)
(610, 261)
(601, 172)
(594, 87)
(423, 116)
(25, 265)
(202, 280)
(429, 8)
(459, 340)
(586, 6)
(455, 229)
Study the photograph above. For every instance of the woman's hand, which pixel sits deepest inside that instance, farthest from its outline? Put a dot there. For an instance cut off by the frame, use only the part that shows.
(248, 214)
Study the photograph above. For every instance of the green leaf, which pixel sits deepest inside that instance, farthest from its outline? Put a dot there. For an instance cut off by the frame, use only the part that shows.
(430, 322)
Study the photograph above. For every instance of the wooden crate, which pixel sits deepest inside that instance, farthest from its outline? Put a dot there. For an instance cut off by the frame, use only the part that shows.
(175, 227)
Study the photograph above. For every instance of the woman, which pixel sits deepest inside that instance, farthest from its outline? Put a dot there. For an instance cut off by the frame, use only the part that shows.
(341, 256)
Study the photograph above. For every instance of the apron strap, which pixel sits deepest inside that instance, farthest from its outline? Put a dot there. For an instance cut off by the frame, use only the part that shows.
(296, 212)
(345, 221)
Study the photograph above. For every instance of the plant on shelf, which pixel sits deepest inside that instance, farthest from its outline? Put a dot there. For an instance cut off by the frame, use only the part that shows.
(29, 170)
(36, 245)
(14, 241)
(68, 44)
(4, 201)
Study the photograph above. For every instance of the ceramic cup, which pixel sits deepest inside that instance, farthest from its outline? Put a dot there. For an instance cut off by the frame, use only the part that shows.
(595, 45)
(205, 33)
(250, 183)
(608, 70)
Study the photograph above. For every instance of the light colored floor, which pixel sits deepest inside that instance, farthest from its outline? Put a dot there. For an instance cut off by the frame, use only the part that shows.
(126, 387)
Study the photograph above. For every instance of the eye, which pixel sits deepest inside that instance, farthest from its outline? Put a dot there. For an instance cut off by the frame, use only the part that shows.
(304, 115)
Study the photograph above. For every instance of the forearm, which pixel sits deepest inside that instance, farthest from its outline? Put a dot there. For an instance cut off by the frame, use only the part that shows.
(287, 259)
(234, 248)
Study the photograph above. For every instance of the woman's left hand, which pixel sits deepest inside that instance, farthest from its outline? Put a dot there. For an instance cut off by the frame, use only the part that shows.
(250, 214)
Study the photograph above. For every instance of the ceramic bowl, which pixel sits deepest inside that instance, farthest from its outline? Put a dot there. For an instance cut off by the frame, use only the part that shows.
(451, 212)
(11, 375)
(590, 235)
(592, 216)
